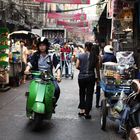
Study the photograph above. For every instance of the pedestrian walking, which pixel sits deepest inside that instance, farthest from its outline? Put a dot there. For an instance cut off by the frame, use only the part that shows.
(65, 51)
(109, 55)
(97, 84)
(77, 50)
(24, 56)
(87, 62)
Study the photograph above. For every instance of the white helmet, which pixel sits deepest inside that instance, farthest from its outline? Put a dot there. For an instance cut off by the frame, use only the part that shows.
(108, 49)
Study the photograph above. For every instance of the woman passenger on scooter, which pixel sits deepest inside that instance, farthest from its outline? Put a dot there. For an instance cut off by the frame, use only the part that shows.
(42, 58)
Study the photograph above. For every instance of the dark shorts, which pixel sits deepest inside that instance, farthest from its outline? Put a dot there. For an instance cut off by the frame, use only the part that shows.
(23, 68)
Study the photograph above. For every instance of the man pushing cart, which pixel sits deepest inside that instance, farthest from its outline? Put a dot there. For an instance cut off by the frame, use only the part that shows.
(66, 61)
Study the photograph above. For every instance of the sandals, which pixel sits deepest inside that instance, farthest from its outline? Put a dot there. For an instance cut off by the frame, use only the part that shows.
(81, 114)
(87, 116)
(84, 113)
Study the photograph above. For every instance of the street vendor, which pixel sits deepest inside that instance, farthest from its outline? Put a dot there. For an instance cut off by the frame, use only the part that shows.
(24, 55)
(109, 55)
(65, 51)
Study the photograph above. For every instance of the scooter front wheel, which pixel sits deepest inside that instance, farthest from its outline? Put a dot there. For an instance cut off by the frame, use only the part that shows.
(37, 121)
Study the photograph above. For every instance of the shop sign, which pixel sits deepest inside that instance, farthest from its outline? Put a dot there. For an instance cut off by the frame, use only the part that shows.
(110, 9)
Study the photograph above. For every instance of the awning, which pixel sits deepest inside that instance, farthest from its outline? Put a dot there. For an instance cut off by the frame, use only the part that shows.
(22, 34)
(101, 10)
(104, 25)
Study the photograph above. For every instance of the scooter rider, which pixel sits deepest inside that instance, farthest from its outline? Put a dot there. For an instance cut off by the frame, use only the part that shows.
(42, 58)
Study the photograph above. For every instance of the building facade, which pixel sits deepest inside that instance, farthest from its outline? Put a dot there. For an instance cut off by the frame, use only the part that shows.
(20, 14)
(124, 27)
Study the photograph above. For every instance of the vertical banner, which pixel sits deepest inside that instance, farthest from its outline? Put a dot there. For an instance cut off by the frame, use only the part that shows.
(73, 24)
(77, 16)
(66, 1)
(110, 9)
(117, 6)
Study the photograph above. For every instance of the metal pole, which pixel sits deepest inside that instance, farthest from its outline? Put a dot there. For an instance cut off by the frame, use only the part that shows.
(44, 15)
(3, 14)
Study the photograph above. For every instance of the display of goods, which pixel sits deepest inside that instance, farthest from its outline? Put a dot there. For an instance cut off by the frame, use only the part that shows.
(125, 57)
(3, 77)
(109, 73)
(4, 56)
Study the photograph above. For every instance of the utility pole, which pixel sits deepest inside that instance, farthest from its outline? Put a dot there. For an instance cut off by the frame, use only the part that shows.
(3, 14)
(44, 15)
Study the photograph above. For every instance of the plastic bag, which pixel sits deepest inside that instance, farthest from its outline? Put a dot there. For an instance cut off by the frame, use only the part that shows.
(125, 58)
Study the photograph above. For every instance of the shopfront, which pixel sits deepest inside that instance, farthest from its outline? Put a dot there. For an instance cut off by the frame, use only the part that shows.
(122, 28)
(137, 31)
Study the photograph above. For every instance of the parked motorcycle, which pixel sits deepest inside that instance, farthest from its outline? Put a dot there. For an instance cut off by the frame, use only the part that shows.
(40, 98)
(135, 134)
(130, 116)
(134, 103)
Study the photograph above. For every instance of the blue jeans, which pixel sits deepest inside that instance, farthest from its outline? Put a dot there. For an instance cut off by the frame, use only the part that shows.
(57, 91)
(66, 67)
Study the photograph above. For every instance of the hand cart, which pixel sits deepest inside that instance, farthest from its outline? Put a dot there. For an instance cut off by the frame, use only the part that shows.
(67, 64)
(115, 87)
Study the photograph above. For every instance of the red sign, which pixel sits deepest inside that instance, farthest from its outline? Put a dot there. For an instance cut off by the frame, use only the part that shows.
(66, 1)
(73, 24)
(77, 16)
(73, 29)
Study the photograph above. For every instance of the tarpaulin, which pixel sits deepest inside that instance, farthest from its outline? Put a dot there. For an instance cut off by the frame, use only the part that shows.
(73, 24)
(77, 16)
(75, 29)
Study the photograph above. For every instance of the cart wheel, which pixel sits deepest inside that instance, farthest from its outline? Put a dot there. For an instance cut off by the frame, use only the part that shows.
(104, 111)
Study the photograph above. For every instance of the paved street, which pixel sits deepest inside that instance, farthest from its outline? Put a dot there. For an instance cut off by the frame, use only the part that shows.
(65, 124)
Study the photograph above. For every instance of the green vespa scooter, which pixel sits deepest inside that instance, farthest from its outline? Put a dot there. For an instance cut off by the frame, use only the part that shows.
(39, 105)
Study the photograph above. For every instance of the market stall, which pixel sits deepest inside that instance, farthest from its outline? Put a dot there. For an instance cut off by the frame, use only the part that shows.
(123, 27)
(16, 51)
(15, 64)
(29, 37)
